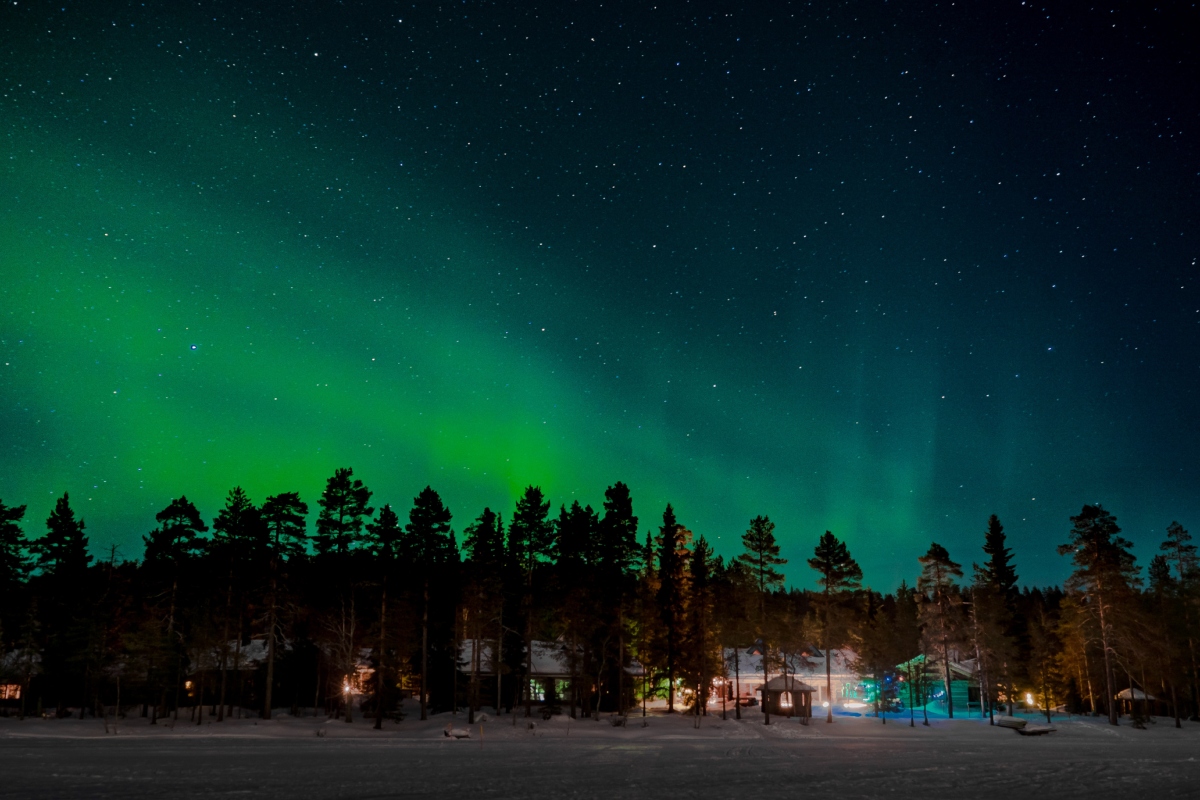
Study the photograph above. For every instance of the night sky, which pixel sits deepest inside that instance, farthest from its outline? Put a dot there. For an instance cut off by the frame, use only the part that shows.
(877, 268)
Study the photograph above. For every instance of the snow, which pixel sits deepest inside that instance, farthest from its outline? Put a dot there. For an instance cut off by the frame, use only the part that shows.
(669, 758)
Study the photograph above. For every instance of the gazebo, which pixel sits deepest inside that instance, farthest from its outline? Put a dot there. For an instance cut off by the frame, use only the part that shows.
(788, 696)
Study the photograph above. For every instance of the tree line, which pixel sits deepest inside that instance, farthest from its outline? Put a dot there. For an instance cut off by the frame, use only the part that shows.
(251, 612)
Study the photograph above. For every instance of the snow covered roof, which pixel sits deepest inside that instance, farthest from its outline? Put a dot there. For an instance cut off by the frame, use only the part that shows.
(1134, 694)
(806, 666)
(247, 660)
(791, 684)
(550, 659)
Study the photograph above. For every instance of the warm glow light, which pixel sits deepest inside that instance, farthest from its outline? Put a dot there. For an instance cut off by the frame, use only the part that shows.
(854, 704)
(1028, 699)
(825, 704)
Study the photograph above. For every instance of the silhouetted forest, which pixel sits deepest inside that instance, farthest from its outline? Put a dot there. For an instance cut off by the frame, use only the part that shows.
(252, 610)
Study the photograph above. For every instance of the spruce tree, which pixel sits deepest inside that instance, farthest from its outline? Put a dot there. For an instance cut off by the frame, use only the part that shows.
(839, 573)
(386, 540)
(531, 543)
(995, 622)
(672, 543)
(434, 550)
(239, 536)
(15, 562)
(62, 552)
(284, 517)
(616, 563)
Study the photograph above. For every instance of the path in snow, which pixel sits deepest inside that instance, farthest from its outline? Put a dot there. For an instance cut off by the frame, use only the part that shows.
(851, 758)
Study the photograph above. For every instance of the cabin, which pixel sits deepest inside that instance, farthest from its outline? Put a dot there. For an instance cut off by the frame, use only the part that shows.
(924, 684)
(744, 677)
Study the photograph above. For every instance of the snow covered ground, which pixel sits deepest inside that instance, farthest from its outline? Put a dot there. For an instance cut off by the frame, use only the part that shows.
(669, 758)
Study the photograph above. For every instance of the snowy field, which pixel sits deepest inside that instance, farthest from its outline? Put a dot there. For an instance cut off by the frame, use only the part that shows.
(854, 757)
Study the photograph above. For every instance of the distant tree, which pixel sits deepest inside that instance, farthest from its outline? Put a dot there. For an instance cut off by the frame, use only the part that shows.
(1042, 627)
(839, 573)
(576, 554)
(62, 552)
(431, 541)
(906, 632)
(673, 540)
(1104, 578)
(1180, 554)
(284, 517)
(343, 511)
(878, 654)
(937, 585)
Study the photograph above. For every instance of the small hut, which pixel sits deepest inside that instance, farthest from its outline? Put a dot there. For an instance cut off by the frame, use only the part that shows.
(789, 697)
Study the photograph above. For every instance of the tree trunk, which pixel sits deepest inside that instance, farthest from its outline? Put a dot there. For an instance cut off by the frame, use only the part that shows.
(379, 665)
(737, 685)
(766, 693)
(225, 647)
(1108, 674)
(237, 667)
(270, 654)
(620, 664)
(425, 652)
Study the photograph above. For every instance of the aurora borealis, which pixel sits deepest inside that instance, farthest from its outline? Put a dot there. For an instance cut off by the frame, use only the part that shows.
(880, 269)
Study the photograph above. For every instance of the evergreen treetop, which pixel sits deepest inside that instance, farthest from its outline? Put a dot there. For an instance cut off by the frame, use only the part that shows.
(63, 550)
(284, 515)
(343, 508)
(14, 558)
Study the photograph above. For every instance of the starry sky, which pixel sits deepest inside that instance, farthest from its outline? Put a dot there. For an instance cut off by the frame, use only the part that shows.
(878, 268)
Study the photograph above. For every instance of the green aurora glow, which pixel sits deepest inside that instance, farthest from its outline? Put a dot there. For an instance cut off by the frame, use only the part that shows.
(209, 283)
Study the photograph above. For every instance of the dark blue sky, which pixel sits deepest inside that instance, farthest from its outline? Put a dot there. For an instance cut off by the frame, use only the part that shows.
(881, 268)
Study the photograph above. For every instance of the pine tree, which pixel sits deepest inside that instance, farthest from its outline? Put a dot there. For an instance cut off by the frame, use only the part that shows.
(839, 573)
(343, 509)
(177, 538)
(287, 530)
(937, 585)
(1104, 578)
(761, 556)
